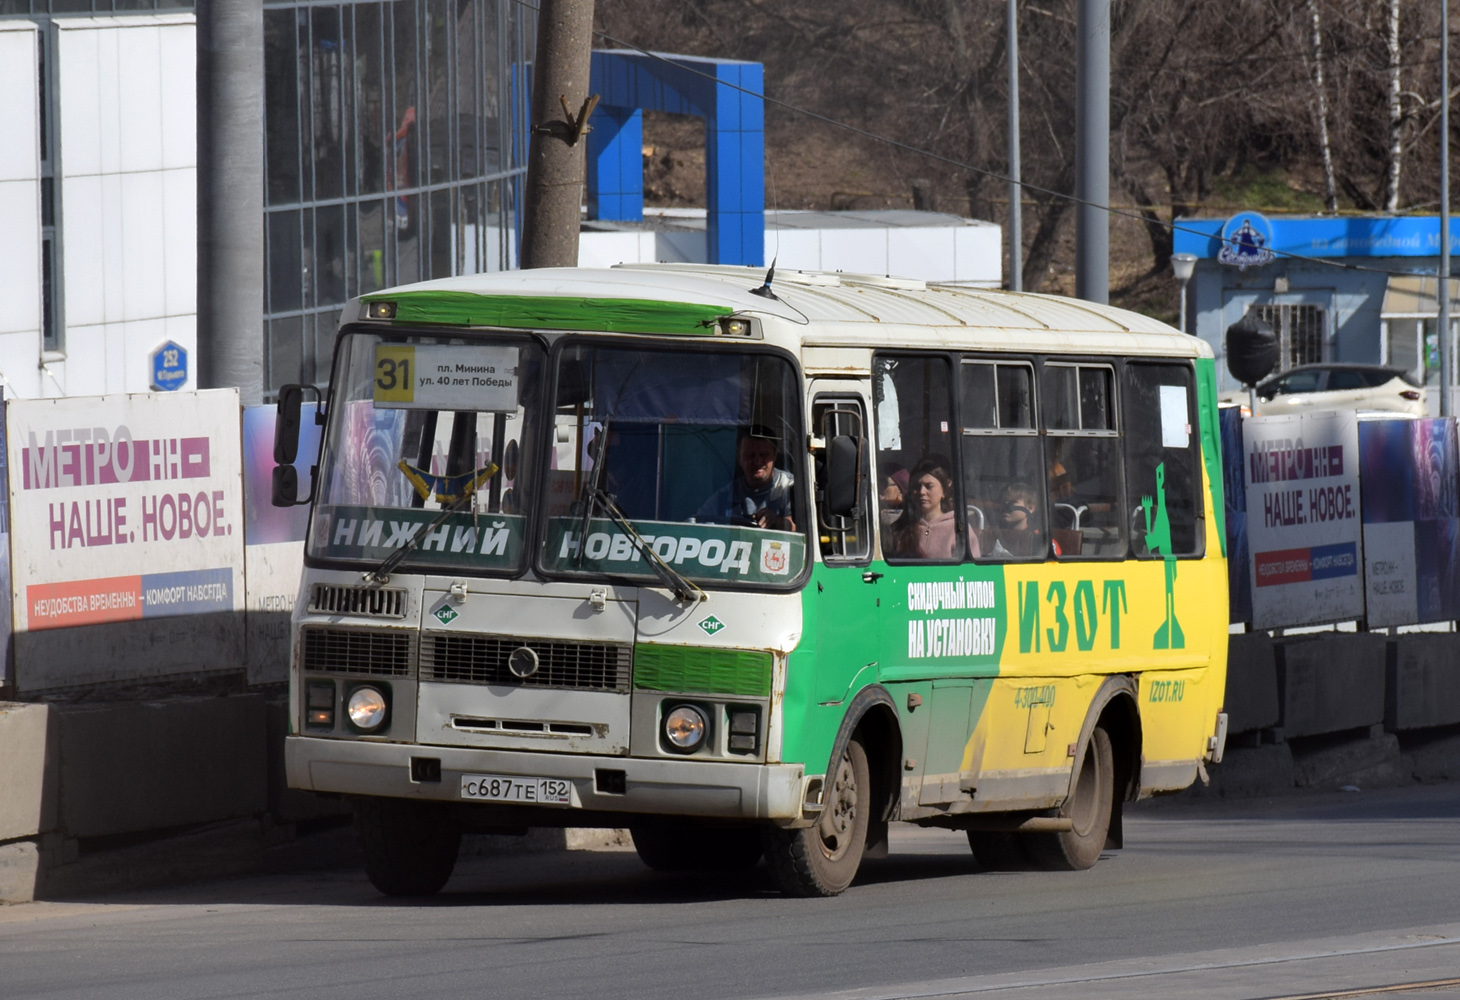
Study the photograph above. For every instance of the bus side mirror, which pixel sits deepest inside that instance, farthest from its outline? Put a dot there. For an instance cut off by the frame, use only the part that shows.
(843, 476)
(285, 485)
(286, 426)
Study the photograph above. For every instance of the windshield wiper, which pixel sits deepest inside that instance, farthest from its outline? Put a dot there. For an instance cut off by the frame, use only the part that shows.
(677, 583)
(381, 573)
(593, 489)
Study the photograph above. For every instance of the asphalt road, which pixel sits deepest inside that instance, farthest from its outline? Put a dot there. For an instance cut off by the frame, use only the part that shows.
(1307, 895)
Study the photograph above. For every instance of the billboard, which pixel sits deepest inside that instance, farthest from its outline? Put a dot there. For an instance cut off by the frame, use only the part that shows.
(128, 518)
(1303, 523)
(1411, 521)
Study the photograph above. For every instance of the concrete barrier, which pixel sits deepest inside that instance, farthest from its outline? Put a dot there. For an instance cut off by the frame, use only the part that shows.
(1331, 681)
(1422, 684)
(1251, 701)
(28, 748)
(136, 766)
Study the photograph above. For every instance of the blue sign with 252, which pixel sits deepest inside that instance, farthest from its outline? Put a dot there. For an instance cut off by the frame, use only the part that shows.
(169, 366)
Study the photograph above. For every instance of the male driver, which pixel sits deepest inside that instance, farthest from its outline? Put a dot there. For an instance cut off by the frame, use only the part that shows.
(760, 494)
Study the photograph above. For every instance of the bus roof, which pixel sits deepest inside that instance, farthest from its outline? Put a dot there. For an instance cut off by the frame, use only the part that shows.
(837, 308)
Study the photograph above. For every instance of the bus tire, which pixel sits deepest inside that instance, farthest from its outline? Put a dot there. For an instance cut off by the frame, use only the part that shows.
(998, 850)
(668, 847)
(1088, 807)
(409, 847)
(822, 859)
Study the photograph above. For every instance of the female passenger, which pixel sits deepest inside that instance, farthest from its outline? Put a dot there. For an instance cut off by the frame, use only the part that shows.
(928, 526)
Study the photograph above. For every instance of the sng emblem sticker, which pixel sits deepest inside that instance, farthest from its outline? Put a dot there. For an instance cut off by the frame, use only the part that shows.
(445, 614)
(711, 625)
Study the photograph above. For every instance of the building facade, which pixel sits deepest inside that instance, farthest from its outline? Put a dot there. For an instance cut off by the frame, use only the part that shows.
(387, 158)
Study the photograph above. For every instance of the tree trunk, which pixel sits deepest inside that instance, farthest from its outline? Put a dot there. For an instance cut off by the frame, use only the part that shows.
(555, 155)
(1042, 246)
(1330, 189)
(1396, 115)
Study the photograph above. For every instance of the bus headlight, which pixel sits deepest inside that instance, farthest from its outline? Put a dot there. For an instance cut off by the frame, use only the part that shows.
(685, 728)
(366, 708)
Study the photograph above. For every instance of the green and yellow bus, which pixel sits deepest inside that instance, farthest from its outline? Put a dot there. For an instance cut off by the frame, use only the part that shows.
(754, 568)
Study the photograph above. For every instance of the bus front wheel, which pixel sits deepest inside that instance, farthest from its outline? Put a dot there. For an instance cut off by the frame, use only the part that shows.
(1088, 809)
(409, 847)
(822, 859)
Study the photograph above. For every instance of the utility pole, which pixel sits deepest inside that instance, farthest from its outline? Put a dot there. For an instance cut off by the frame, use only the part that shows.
(1092, 150)
(1016, 222)
(559, 116)
(230, 200)
(1447, 348)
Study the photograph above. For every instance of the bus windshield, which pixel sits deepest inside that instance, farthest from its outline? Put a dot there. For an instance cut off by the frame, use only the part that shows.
(429, 451)
(690, 455)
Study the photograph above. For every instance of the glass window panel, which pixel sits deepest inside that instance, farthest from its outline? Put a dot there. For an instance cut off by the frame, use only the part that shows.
(1085, 496)
(1016, 396)
(281, 107)
(1164, 483)
(17, 7)
(443, 234)
(978, 398)
(405, 165)
(912, 398)
(304, 68)
(440, 19)
(1061, 398)
(1096, 395)
(371, 99)
(70, 6)
(285, 353)
(286, 272)
(467, 82)
(371, 216)
(327, 99)
(329, 255)
(1004, 486)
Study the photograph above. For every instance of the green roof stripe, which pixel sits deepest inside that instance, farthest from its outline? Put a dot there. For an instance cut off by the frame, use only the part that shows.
(553, 312)
(702, 670)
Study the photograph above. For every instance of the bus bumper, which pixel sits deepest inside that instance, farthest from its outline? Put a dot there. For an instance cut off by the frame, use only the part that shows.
(654, 787)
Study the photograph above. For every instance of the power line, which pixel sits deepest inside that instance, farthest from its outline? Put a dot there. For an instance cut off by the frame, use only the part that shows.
(1173, 226)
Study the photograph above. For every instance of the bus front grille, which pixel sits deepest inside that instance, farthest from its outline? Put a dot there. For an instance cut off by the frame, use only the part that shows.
(376, 652)
(368, 602)
(580, 666)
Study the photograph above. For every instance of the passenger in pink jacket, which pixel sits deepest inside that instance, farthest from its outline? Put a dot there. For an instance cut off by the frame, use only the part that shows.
(928, 527)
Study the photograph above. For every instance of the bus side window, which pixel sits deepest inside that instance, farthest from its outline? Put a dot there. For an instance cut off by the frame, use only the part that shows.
(1083, 460)
(1162, 461)
(923, 520)
(842, 539)
(1003, 462)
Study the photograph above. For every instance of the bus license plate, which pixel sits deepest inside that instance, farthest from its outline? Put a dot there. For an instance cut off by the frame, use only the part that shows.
(502, 788)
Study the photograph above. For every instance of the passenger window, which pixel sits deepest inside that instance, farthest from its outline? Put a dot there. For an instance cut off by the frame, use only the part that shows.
(1163, 460)
(842, 538)
(1082, 458)
(1346, 380)
(1003, 473)
(921, 518)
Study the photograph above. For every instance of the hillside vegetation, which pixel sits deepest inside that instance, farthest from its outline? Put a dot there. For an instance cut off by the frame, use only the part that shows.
(1277, 105)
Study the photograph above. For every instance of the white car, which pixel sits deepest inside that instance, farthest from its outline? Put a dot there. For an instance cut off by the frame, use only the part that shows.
(1339, 387)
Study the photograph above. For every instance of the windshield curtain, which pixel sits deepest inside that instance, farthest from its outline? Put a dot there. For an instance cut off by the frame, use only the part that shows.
(421, 424)
(699, 456)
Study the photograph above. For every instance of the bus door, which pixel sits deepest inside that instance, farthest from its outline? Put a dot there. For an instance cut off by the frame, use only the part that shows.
(844, 592)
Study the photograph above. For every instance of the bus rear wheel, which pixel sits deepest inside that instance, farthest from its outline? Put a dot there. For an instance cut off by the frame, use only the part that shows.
(409, 847)
(822, 859)
(1088, 809)
(682, 847)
